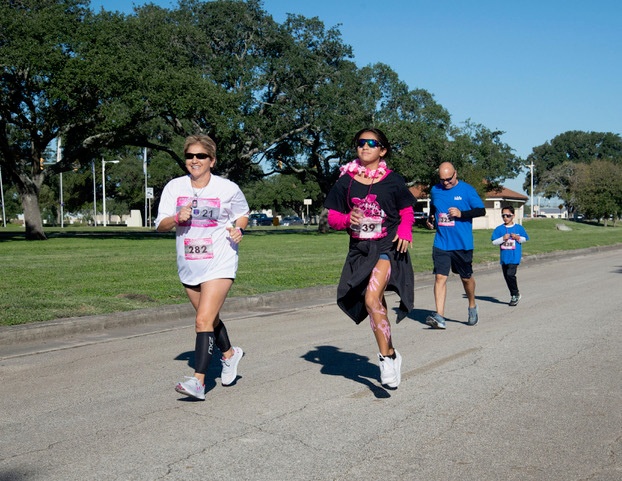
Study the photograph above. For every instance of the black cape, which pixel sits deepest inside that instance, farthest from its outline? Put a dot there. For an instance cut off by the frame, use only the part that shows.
(360, 262)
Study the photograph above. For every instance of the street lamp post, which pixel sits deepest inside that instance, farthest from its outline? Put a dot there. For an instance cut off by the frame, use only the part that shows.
(104, 162)
(145, 172)
(531, 191)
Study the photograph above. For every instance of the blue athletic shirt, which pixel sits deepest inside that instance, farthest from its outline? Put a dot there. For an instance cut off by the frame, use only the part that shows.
(510, 251)
(454, 233)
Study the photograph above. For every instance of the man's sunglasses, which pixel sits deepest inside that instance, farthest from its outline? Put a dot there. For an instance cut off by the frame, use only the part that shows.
(507, 215)
(448, 179)
(192, 155)
(371, 143)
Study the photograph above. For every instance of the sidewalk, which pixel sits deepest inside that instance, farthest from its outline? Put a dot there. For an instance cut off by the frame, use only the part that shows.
(164, 317)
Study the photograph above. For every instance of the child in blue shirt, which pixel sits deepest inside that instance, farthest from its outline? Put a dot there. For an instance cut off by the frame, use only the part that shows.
(510, 237)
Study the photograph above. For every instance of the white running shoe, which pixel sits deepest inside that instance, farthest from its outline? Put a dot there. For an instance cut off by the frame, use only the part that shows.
(230, 367)
(397, 367)
(191, 387)
(388, 376)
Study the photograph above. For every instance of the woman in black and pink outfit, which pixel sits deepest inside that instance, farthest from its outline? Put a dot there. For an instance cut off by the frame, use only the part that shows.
(375, 206)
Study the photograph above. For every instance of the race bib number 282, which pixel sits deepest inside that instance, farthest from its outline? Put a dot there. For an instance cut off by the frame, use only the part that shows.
(198, 249)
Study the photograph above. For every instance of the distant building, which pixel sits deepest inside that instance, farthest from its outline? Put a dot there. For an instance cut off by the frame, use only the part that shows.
(551, 212)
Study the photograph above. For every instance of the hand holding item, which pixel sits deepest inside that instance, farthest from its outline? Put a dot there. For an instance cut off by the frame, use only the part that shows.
(454, 212)
(184, 214)
(429, 223)
(356, 215)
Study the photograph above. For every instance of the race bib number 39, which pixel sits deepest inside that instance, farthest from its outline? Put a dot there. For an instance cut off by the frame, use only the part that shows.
(369, 228)
(198, 249)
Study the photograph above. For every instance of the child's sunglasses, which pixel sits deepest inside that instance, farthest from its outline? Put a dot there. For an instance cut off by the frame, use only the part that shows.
(371, 143)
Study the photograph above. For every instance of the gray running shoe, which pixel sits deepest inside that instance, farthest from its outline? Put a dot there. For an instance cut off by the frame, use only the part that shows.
(191, 387)
(473, 316)
(436, 321)
(230, 367)
(514, 300)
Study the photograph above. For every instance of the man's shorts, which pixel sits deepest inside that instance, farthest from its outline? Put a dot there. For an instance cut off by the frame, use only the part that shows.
(460, 262)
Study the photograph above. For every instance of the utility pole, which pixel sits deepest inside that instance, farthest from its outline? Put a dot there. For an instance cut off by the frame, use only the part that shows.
(62, 202)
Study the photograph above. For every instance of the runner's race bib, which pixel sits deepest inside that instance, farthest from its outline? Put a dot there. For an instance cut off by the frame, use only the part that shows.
(198, 249)
(445, 220)
(509, 245)
(205, 212)
(368, 228)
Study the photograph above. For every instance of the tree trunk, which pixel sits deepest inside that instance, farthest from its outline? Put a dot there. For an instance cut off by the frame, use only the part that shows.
(322, 225)
(32, 216)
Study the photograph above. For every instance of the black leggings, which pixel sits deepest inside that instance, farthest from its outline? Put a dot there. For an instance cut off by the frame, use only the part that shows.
(509, 273)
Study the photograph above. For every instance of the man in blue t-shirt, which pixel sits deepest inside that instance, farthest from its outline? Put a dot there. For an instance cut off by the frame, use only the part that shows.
(454, 205)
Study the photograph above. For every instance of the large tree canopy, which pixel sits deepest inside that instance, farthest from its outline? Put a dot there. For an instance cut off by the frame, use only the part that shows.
(39, 65)
(283, 98)
(597, 189)
(575, 147)
(563, 169)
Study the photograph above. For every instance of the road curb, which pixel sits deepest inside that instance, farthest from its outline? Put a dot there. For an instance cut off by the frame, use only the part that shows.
(312, 295)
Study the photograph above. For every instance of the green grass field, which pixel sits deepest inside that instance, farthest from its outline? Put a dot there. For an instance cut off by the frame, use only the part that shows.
(83, 272)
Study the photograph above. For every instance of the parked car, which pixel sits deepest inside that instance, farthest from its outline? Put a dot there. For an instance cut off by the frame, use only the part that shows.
(259, 219)
(292, 220)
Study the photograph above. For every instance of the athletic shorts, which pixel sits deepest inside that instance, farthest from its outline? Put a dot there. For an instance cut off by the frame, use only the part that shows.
(460, 262)
(192, 286)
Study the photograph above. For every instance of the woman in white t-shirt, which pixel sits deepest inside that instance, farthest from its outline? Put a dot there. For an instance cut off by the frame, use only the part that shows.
(209, 214)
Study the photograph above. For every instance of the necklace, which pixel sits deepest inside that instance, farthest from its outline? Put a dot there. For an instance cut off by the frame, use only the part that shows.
(356, 168)
(198, 194)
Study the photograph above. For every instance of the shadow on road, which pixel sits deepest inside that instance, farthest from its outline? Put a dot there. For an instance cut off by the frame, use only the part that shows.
(350, 365)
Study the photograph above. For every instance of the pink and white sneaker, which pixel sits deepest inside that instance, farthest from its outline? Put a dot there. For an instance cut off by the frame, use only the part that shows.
(191, 387)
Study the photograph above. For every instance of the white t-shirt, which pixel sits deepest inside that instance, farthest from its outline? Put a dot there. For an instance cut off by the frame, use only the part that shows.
(204, 249)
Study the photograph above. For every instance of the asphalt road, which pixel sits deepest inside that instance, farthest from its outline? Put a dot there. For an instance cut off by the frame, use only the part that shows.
(533, 392)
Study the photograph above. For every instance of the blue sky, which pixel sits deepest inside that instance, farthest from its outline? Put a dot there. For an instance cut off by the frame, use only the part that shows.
(533, 69)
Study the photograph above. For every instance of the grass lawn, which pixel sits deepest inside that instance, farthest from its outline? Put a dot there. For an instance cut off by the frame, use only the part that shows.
(83, 272)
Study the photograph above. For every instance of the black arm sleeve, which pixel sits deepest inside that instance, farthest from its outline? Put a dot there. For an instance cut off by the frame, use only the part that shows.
(470, 214)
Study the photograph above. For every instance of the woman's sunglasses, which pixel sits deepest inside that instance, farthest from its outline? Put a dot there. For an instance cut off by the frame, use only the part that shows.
(192, 155)
(371, 143)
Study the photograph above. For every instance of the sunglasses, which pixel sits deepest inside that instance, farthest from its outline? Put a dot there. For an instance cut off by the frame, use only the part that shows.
(448, 179)
(371, 143)
(199, 155)
(507, 215)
